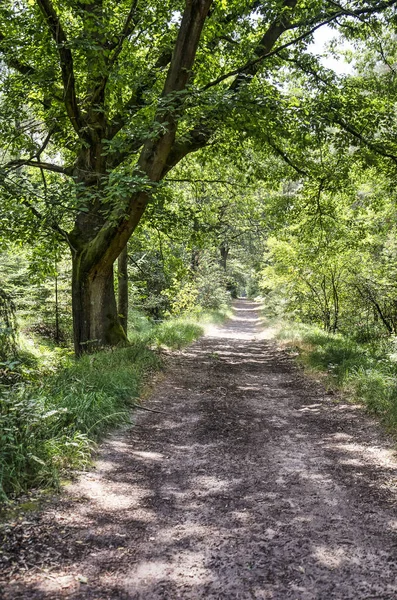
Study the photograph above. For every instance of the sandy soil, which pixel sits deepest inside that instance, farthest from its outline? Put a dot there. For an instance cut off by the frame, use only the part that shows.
(251, 482)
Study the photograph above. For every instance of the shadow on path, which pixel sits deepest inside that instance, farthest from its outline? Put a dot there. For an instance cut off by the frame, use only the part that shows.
(254, 484)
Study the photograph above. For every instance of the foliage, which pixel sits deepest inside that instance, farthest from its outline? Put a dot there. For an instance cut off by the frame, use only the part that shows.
(333, 259)
(38, 279)
(8, 326)
(366, 371)
(204, 287)
(100, 106)
(194, 243)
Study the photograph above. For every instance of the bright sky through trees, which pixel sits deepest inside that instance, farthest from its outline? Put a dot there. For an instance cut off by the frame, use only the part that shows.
(322, 38)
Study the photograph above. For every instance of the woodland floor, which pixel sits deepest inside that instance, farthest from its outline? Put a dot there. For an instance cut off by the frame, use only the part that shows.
(252, 483)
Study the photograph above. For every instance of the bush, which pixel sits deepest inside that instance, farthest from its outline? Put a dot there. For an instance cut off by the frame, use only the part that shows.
(47, 429)
(205, 288)
(367, 371)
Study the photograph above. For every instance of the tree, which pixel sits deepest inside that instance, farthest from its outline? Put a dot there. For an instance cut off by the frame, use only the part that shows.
(8, 326)
(107, 97)
(206, 202)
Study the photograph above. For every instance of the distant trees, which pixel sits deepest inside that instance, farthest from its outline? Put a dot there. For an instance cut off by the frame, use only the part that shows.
(334, 259)
(8, 326)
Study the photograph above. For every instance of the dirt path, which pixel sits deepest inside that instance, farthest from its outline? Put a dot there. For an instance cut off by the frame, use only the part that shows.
(254, 484)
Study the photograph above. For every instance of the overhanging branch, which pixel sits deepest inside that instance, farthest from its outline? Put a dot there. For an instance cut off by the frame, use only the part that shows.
(285, 157)
(14, 63)
(15, 164)
(128, 28)
(333, 117)
(66, 63)
(254, 63)
(277, 28)
(35, 212)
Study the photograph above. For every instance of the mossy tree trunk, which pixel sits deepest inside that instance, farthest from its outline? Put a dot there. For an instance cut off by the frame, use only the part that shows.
(95, 315)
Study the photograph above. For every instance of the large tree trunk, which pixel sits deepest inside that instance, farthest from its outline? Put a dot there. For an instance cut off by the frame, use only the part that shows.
(95, 316)
(122, 275)
(96, 321)
(97, 241)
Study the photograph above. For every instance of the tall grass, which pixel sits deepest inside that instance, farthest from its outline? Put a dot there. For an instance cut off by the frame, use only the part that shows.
(367, 371)
(177, 333)
(51, 427)
(51, 420)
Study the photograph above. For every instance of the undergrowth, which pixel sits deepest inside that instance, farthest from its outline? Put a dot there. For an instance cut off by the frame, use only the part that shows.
(50, 427)
(54, 414)
(367, 371)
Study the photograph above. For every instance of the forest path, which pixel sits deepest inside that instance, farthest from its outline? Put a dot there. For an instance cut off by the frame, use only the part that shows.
(254, 484)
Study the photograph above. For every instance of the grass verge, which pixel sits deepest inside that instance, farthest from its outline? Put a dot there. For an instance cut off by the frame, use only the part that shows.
(49, 428)
(366, 371)
(52, 418)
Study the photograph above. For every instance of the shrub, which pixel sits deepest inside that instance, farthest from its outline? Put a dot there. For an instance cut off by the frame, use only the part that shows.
(49, 428)
(367, 371)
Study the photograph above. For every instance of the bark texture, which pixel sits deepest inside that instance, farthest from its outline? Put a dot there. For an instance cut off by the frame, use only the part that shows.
(95, 316)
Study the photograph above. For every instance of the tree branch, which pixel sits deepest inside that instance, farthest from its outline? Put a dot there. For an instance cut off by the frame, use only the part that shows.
(66, 64)
(117, 48)
(273, 30)
(254, 63)
(15, 164)
(199, 136)
(285, 157)
(38, 163)
(136, 100)
(365, 11)
(197, 139)
(128, 28)
(350, 129)
(36, 213)
(14, 63)
(45, 143)
(333, 117)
